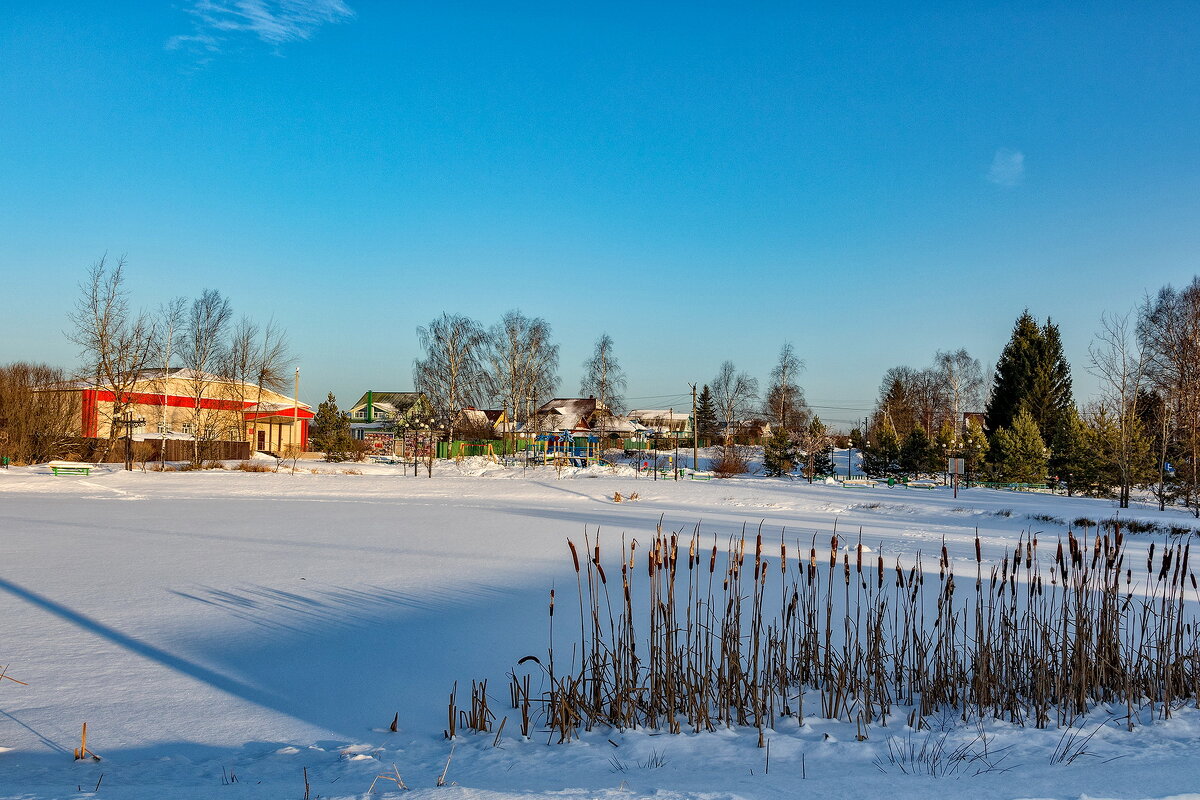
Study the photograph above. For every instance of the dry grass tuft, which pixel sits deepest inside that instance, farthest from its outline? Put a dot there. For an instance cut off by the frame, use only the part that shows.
(253, 466)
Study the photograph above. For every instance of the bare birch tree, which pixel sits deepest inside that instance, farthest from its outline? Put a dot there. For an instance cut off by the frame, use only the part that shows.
(603, 377)
(203, 354)
(272, 367)
(522, 364)
(784, 405)
(240, 366)
(1169, 335)
(733, 393)
(1116, 360)
(452, 372)
(116, 345)
(961, 380)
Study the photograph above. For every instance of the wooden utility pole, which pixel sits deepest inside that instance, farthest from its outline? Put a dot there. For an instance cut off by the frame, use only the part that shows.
(695, 434)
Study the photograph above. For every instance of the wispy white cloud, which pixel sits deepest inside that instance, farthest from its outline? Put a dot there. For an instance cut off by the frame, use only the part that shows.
(1008, 167)
(274, 22)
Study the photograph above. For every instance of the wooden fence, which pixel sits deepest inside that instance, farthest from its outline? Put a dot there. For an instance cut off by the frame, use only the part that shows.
(152, 450)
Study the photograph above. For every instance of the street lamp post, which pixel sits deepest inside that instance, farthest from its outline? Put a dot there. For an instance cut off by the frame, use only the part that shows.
(439, 425)
(129, 423)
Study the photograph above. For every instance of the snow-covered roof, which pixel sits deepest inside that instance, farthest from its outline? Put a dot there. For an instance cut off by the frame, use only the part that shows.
(615, 423)
(176, 374)
(644, 414)
(396, 402)
(565, 413)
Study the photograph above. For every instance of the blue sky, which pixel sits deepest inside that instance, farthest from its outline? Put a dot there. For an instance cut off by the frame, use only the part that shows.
(703, 180)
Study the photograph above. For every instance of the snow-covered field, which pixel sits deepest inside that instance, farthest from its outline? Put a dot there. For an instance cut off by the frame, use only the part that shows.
(214, 624)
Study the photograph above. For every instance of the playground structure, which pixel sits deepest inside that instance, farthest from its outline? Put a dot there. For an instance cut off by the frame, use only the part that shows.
(460, 450)
(567, 449)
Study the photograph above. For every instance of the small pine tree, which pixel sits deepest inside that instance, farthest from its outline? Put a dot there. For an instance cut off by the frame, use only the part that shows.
(974, 449)
(779, 453)
(1075, 457)
(881, 456)
(1102, 461)
(331, 431)
(917, 454)
(816, 449)
(946, 442)
(857, 440)
(1020, 453)
(706, 416)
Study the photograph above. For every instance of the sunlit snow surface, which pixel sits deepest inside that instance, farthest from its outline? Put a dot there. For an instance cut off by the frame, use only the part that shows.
(217, 623)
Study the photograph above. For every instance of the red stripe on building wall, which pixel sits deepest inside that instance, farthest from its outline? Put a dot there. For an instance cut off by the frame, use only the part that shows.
(172, 400)
(302, 413)
(89, 417)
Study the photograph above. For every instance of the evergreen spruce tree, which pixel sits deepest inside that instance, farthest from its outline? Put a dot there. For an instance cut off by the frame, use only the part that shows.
(1020, 452)
(1032, 374)
(817, 441)
(779, 453)
(917, 454)
(1116, 465)
(1050, 400)
(974, 450)
(706, 416)
(945, 445)
(946, 441)
(331, 431)
(881, 456)
(1105, 438)
(1074, 461)
(896, 404)
(1013, 372)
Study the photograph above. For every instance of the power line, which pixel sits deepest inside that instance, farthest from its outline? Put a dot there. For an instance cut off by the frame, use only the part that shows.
(657, 396)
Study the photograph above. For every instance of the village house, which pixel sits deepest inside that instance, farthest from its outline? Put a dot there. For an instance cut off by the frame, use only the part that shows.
(664, 423)
(581, 416)
(185, 404)
(389, 408)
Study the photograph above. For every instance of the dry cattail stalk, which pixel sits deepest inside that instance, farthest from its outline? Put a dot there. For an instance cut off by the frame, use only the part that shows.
(727, 651)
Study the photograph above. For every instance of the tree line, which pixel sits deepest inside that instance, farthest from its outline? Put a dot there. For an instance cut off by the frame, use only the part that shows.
(1142, 430)
(119, 346)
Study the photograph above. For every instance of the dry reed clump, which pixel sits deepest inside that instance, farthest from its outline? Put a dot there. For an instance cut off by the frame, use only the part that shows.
(679, 635)
(253, 466)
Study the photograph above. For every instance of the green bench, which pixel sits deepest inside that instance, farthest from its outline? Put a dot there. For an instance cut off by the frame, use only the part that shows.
(85, 471)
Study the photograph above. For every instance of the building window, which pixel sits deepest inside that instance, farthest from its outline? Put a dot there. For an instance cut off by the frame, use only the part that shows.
(162, 428)
(360, 415)
(188, 428)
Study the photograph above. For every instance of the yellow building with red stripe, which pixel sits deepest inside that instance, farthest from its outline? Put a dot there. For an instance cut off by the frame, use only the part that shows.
(183, 403)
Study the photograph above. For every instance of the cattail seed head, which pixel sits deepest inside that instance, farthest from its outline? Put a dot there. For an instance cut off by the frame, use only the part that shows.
(574, 555)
